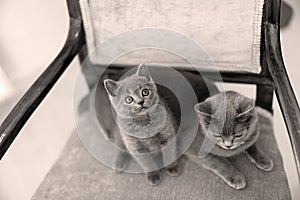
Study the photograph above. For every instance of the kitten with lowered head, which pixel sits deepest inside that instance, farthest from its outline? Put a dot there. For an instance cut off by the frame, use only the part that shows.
(145, 121)
(229, 120)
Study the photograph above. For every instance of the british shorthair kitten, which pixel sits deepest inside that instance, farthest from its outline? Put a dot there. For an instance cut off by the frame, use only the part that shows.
(145, 122)
(229, 120)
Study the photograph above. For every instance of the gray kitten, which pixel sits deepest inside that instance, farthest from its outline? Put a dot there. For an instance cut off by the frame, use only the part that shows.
(145, 121)
(233, 127)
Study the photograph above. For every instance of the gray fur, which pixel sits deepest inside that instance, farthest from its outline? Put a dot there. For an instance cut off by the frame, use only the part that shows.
(236, 134)
(132, 98)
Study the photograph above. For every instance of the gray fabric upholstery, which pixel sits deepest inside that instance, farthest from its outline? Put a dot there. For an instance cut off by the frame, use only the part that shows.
(228, 30)
(77, 175)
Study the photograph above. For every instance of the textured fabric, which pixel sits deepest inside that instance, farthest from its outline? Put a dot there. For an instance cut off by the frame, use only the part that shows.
(229, 30)
(77, 175)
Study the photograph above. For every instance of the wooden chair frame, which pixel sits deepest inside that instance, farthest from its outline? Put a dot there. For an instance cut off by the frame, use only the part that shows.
(272, 78)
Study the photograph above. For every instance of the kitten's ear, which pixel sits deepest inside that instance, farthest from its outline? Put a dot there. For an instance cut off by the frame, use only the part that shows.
(110, 86)
(144, 72)
(246, 107)
(246, 110)
(204, 109)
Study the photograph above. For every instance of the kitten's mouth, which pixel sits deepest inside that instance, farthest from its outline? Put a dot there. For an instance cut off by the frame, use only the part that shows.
(144, 108)
(229, 147)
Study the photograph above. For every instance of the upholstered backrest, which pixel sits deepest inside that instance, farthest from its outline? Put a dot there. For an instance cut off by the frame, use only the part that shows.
(229, 31)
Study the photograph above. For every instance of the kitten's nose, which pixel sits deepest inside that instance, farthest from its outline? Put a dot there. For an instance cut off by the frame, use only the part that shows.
(228, 144)
(141, 102)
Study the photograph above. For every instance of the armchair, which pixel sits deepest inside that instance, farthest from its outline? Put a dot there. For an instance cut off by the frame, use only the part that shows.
(258, 61)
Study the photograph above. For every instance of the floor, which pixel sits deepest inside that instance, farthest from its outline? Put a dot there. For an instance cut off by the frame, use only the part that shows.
(42, 139)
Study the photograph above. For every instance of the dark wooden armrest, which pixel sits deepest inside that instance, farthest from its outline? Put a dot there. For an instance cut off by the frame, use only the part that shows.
(284, 91)
(29, 102)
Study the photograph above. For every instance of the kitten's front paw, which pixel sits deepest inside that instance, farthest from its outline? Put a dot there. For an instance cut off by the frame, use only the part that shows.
(236, 181)
(120, 167)
(174, 170)
(153, 178)
(265, 164)
(119, 171)
(262, 162)
(121, 163)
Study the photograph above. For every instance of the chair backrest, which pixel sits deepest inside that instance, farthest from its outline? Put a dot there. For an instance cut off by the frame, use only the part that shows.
(229, 31)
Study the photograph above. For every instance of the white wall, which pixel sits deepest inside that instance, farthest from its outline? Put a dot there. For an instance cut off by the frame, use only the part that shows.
(31, 34)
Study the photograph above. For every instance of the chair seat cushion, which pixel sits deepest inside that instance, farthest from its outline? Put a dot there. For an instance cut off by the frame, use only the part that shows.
(77, 175)
(229, 31)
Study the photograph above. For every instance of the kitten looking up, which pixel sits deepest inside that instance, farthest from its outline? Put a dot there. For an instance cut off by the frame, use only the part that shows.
(145, 121)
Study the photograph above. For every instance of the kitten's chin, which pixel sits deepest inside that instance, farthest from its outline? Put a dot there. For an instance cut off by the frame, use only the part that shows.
(228, 148)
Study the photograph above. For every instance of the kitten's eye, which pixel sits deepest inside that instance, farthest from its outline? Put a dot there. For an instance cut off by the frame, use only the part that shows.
(129, 100)
(145, 92)
(238, 135)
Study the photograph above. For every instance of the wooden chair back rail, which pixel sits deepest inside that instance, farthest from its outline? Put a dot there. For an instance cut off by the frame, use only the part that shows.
(283, 89)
